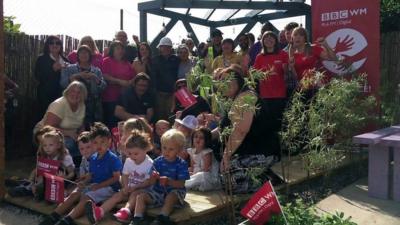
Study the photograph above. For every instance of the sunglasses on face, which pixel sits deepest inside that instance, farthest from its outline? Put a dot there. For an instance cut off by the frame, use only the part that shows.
(55, 43)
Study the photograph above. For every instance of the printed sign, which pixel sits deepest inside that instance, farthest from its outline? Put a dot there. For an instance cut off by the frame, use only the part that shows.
(185, 97)
(351, 29)
(47, 166)
(54, 188)
(262, 205)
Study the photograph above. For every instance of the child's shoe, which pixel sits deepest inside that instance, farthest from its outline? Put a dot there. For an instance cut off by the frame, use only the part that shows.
(162, 220)
(51, 219)
(138, 221)
(123, 215)
(93, 213)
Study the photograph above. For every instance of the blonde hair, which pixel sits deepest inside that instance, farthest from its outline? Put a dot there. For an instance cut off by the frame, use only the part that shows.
(61, 151)
(163, 122)
(90, 42)
(81, 87)
(175, 136)
(138, 124)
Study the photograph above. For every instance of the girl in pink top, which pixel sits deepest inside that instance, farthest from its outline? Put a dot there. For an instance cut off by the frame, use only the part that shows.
(97, 58)
(119, 75)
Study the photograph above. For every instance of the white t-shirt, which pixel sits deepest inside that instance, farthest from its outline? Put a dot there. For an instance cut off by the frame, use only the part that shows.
(137, 173)
(199, 162)
(67, 161)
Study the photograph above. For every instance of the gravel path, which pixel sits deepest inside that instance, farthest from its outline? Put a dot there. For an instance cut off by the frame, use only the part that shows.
(11, 215)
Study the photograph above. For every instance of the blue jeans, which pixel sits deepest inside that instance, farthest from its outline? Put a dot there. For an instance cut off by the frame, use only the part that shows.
(73, 149)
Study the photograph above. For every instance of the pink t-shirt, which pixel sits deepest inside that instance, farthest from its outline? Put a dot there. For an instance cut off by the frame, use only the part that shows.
(97, 59)
(120, 70)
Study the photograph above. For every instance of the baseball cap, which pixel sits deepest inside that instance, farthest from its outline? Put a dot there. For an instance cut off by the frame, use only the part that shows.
(189, 121)
(165, 41)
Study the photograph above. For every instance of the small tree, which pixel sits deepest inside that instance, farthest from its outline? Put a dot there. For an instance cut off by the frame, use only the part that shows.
(10, 26)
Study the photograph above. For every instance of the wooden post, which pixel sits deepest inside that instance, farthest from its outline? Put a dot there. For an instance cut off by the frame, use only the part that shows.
(143, 26)
(2, 149)
(121, 19)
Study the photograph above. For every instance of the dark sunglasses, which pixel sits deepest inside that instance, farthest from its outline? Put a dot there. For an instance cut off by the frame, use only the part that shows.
(55, 43)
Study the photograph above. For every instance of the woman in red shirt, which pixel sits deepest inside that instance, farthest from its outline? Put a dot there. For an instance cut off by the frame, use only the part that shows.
(272, 90)
(304, 56)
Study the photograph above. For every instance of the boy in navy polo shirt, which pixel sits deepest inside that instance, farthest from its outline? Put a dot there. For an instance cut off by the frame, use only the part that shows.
(103, 178)
(169, 180)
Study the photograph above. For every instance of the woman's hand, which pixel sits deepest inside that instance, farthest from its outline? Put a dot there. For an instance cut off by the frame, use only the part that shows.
(57, 66)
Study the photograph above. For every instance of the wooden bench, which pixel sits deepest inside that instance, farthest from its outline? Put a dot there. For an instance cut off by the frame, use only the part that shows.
(380, 143)
(200, 207)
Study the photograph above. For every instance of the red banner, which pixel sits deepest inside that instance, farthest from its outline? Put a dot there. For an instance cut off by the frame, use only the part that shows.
(47, 166)
(54, 188)
(185, 97)
(351, 28)
(262, 205)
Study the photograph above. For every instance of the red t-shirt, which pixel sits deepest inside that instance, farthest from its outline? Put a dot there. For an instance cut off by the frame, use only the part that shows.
(97, 59)
(273, 86)
(120, 70)
(304, 63)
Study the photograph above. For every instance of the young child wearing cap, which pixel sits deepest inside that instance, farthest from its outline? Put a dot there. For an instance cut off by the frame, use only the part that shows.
(186, 126)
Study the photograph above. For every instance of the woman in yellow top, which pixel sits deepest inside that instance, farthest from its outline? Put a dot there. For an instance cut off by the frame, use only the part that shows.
(228, 56)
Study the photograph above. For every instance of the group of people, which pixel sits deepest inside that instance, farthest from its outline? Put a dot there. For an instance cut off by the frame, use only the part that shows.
(117, 118)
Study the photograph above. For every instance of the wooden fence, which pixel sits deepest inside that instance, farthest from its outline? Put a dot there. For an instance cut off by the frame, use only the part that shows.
(21, 52)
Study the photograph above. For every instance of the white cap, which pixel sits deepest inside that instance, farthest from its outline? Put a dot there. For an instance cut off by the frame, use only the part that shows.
(165, 41)
(189, 121)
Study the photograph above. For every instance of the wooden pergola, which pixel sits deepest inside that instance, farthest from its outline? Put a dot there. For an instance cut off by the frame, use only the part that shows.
(2, 147)
(257, 13)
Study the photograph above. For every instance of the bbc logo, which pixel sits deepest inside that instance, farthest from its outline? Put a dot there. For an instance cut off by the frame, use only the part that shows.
(343, 14)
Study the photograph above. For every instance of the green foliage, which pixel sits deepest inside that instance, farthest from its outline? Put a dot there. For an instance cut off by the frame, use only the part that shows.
(318, 128)
(390, 98)
(10, 26)
(390, 15)
(298, 213)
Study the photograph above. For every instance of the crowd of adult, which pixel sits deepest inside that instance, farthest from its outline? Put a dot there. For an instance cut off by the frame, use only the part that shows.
(131, 81)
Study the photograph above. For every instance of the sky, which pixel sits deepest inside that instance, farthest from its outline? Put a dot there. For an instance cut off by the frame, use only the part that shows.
(101, 18)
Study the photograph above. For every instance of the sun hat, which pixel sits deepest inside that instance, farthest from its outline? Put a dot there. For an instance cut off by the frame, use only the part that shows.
(165, 41)
(189, 121)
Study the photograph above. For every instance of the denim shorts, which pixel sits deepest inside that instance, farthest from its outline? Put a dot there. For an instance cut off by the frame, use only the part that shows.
(159, 197)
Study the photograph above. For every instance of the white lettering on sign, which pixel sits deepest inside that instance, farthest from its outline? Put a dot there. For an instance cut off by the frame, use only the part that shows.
(343, 14)
(53, 189)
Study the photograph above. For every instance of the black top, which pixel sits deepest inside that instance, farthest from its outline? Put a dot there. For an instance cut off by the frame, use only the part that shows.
(130, 53)
(165, 73)
(254, 142)
(49, 80)
(133, 104)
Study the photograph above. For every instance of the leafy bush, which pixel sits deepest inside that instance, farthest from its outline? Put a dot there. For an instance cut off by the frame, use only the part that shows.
(319, 127)
(390, 15)
(298, 213)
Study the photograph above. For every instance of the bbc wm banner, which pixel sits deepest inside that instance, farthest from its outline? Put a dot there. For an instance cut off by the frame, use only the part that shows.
(351, 28)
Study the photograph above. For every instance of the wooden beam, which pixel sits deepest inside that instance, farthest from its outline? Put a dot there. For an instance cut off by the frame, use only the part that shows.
(182, 17)
(217, 4)
(143, 26)
(254, 12)
(189, 29)
(208, 14)
(162, 34)
(246, 29)
(230, 14)
(260, 18)
(2, 74)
